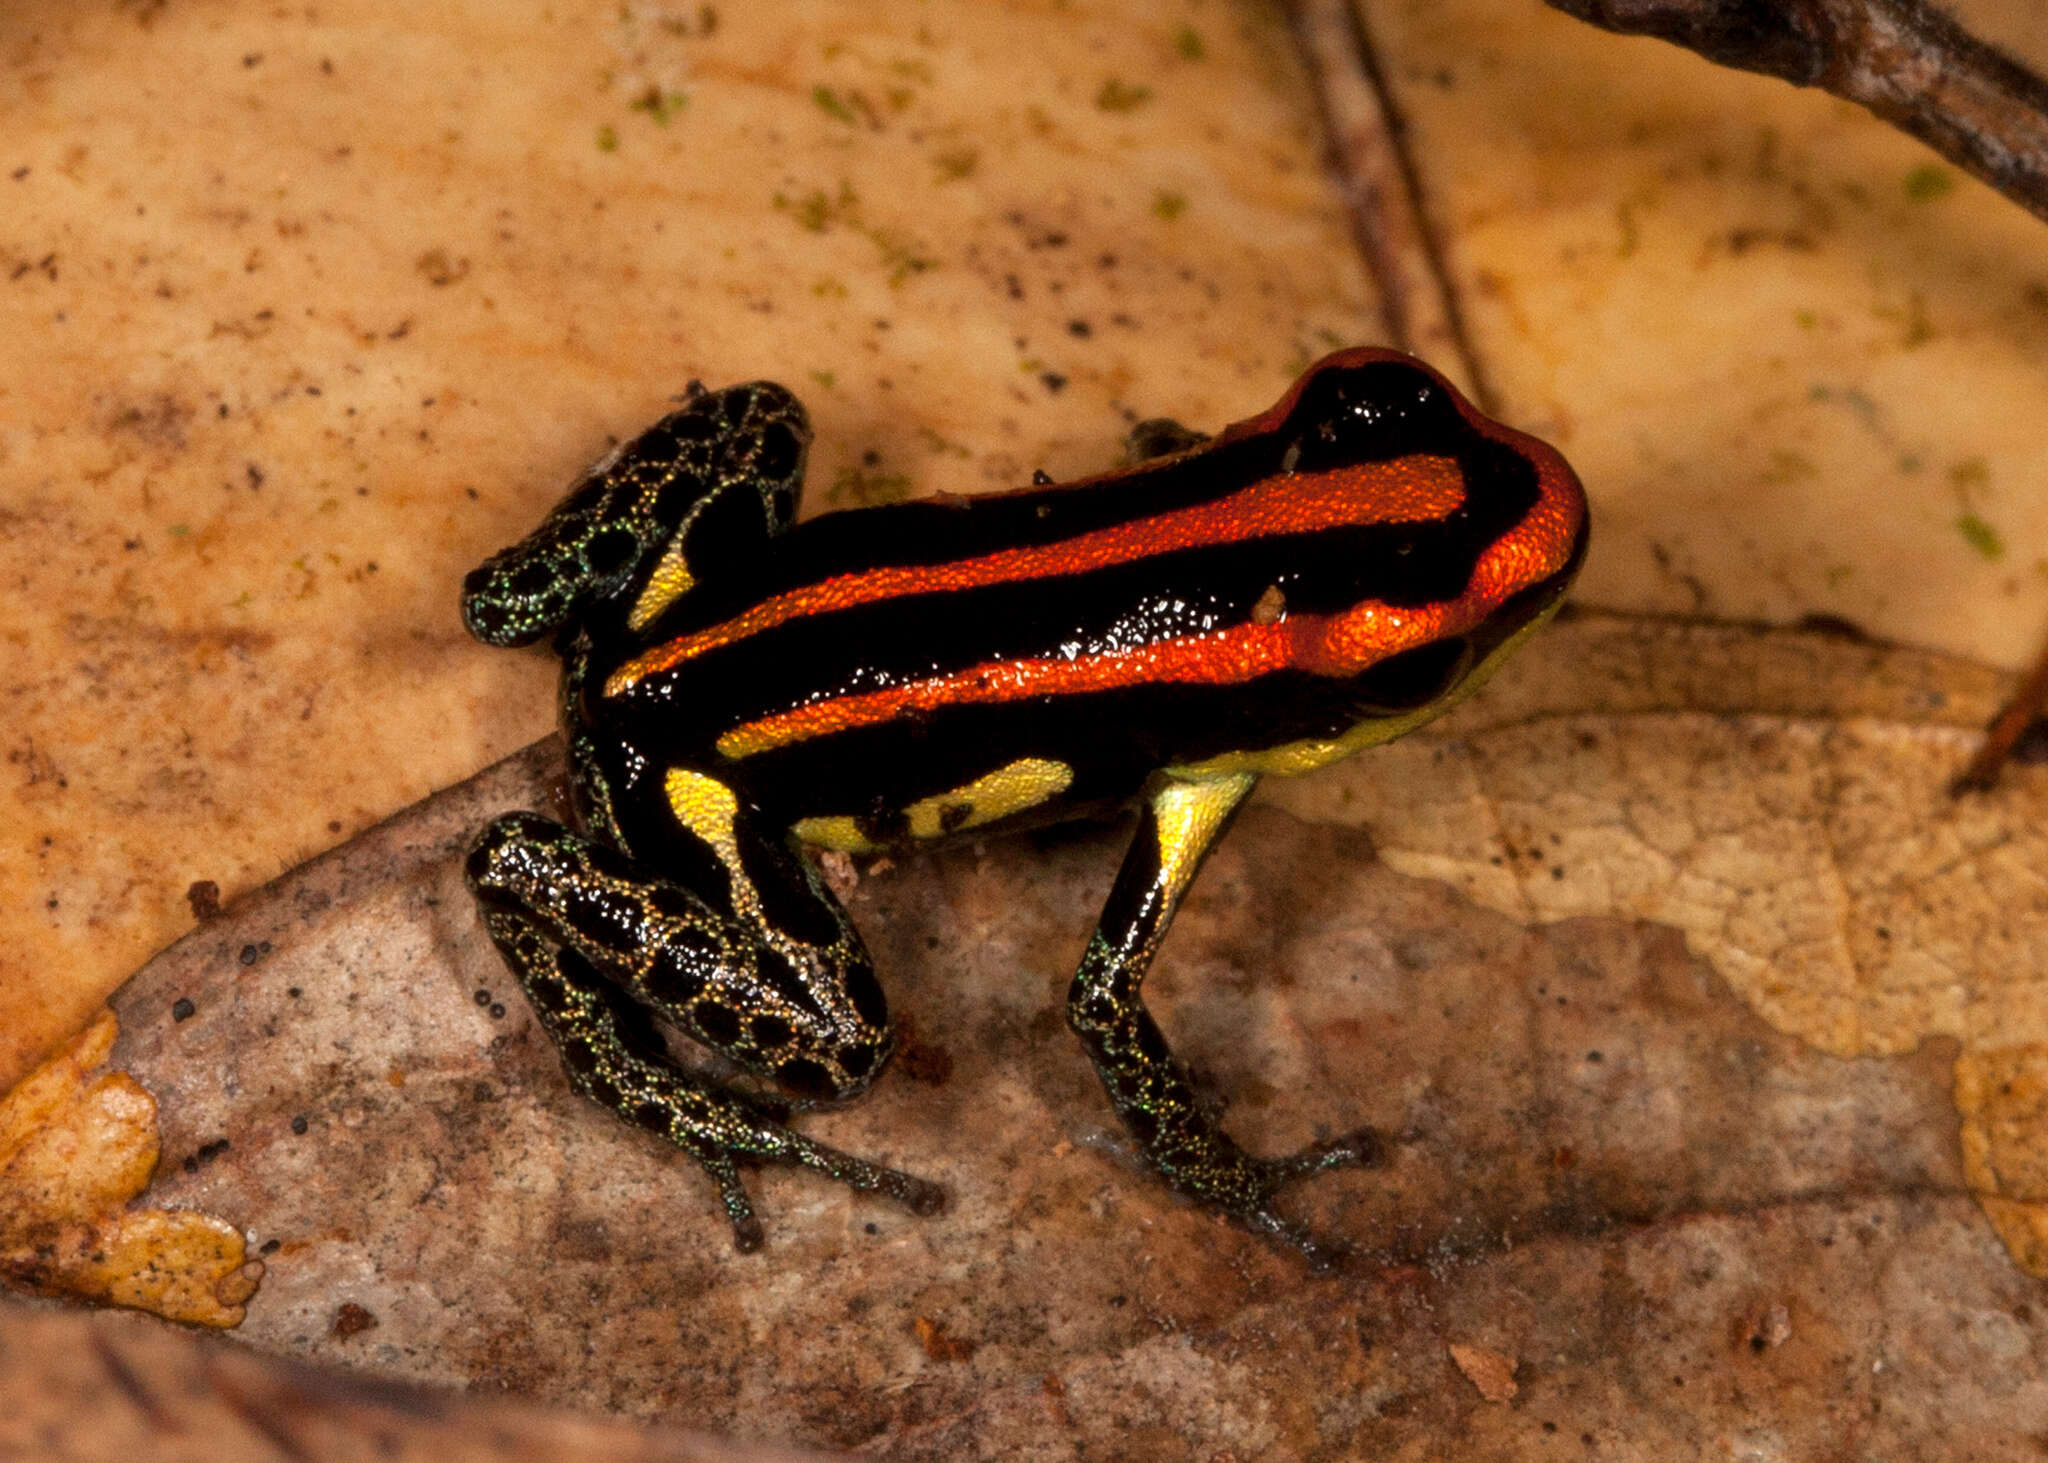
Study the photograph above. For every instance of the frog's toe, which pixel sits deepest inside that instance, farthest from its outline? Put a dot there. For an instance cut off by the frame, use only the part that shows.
(1321, 1252)
(1267, 1176)
(1361, 1149)
(919, 1196)
(922, 1196)
(747, 1233)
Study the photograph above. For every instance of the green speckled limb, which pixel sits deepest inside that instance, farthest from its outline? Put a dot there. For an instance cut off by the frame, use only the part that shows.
(596, 949)
(1147, 1084)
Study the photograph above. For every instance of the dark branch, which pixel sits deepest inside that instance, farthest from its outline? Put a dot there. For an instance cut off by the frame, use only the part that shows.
(1903, 59)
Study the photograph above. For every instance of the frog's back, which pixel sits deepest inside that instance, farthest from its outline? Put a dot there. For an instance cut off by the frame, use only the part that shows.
(913, 669)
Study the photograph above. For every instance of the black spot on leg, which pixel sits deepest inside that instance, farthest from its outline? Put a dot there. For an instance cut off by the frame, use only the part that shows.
(717, 1022)
(652, 1116)
(578, 1055)
(677, 974)
(610, 550)
(546, 993)
(633, 1027)
(857, 1058)
(770, 1032)
(607, 919)
(672, 903)
(1142, 1122)
(866, 994)
(602, 1090)
(1151, 1042)
(806, 1078)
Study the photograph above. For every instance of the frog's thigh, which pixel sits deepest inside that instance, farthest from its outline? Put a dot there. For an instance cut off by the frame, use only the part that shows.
(794, 993)
(615, 1057)
(677, 951)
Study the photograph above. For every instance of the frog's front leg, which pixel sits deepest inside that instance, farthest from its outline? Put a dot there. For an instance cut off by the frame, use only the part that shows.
(1147, 1084)
(597, 944)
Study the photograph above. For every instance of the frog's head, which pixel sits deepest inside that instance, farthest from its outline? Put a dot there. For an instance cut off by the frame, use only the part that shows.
(1461, 535)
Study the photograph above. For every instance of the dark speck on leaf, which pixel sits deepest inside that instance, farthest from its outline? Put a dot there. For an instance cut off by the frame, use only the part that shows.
(181, 1009)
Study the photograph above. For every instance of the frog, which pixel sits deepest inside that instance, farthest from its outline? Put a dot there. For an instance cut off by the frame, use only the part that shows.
(742, 693)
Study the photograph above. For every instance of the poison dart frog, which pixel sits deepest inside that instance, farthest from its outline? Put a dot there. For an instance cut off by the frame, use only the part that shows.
(739, 688)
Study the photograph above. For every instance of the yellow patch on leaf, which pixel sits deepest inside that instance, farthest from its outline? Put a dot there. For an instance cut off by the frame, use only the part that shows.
(75, 1149)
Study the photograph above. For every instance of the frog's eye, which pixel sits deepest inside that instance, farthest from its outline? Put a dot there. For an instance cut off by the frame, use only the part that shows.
(1369, 413)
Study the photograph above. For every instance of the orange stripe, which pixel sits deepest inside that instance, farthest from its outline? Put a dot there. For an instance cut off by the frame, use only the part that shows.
(1417, 488)
(1331, 645)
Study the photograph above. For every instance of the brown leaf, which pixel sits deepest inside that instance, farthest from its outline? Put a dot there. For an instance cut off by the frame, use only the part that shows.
(501, 1230)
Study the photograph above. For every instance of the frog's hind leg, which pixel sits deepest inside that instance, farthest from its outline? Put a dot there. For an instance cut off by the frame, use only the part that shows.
(693, 494)
(1147, 1084)
(594, 946)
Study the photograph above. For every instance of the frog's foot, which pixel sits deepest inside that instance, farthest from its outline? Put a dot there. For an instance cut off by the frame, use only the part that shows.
(746, 1134)
(615, 1057)
(1209, 1166)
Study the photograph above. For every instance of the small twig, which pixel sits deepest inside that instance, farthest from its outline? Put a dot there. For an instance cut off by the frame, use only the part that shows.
(2023, 711)
(1418, 304)
(1903, 59)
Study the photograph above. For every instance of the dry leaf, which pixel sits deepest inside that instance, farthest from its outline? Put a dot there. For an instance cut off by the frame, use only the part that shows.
(1783, 801)
(109, 1387)
(1570, 1106)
